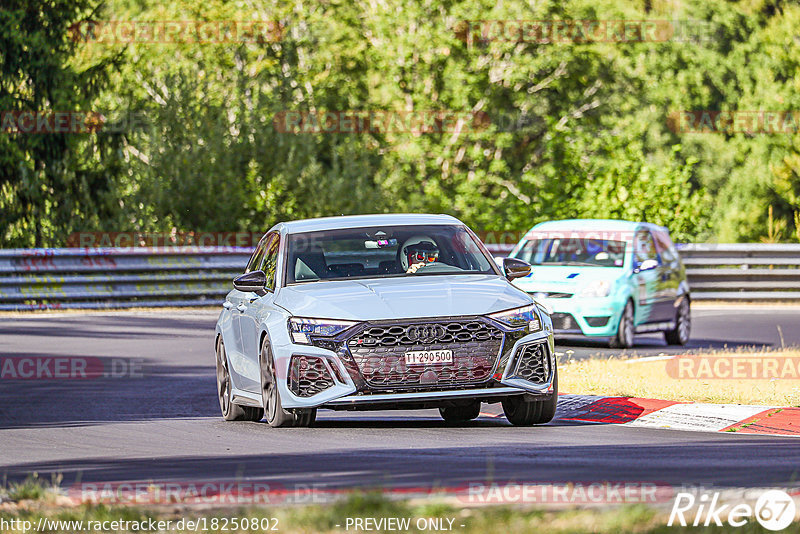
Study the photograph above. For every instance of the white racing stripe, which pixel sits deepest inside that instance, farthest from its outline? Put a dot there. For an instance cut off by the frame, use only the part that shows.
(658, 358)
(698, 417)
(570, 405)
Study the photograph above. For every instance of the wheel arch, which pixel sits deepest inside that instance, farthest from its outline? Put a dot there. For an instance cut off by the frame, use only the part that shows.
(261, 338)
(629, 298)
(683, 289)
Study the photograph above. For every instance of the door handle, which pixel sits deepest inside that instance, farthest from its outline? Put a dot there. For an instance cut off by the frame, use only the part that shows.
(241, 308)
(227, 305)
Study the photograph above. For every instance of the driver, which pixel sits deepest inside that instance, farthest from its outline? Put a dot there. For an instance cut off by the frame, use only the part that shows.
(417, 252)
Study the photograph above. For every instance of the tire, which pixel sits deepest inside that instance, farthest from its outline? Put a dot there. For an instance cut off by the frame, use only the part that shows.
(276, 416)
(683, 325)
(231, 411)
(623, 339)
(522, 413)
(306, 418)
(461, 414)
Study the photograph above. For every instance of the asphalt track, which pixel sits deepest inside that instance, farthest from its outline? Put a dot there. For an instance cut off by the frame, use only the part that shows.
(163, 424)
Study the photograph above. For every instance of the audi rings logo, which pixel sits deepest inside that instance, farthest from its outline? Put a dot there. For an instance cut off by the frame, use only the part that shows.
(425, 333)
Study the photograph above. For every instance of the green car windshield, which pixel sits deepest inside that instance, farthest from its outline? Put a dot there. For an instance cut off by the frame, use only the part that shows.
(573, 251)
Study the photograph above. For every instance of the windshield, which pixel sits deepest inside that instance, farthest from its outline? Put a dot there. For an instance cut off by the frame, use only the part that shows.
(577, 251)
(385, 251)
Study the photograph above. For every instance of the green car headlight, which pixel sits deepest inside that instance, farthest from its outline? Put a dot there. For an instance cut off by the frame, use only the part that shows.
(598, 288)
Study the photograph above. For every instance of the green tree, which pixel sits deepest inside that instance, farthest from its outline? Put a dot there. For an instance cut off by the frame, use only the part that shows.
(49, 181)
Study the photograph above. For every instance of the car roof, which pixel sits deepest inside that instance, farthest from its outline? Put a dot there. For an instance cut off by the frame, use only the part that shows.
(610, 225)
(360, 221)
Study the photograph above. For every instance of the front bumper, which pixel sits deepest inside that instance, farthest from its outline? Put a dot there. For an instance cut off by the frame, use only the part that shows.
(349, 389)
(422, 397)
(586, 316)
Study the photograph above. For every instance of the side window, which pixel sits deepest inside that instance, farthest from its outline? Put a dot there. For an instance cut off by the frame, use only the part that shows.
(257, 257)
(664, 246)
(270, 262)
(645, 247)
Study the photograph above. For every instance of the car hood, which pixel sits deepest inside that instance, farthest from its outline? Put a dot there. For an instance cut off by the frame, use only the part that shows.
(565, 278)
(398, 298)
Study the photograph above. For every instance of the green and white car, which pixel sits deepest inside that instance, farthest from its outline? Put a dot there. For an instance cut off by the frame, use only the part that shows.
(607, 278)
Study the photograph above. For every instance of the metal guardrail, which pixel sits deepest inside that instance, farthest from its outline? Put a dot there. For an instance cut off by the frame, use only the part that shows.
(743, 271)
(117, 278)
(196, 276)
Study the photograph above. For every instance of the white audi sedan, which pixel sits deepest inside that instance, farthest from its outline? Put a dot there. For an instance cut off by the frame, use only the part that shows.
(378, 312)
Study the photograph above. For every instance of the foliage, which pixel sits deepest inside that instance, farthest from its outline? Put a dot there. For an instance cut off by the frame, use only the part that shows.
(32, 488)
(574, 129)
(49, 182)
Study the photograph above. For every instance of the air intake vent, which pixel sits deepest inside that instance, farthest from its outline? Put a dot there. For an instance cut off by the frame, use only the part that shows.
(533, 363)
(308, 376)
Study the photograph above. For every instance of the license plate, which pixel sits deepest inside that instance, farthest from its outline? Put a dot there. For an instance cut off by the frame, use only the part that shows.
(428, 357)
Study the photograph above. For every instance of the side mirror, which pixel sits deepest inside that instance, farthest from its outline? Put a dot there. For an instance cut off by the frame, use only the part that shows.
(514, 268)
(255, 281)
(646, 265)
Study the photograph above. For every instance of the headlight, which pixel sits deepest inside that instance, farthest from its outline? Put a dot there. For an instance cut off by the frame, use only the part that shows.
(598, 288)
(302, 329)
(520, 317)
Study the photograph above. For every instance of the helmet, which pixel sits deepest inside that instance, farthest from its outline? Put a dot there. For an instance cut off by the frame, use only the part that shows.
(418, 249)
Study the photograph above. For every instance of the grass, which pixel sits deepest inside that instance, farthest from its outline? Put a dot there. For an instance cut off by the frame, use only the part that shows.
(333, 518)
(32, 488)
(35, 500)
(630, 377)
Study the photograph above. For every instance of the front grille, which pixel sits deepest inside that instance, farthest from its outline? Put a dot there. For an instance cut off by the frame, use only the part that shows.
(564, 321)
(600, 320)
(532, 363)
(553, 294)
(308, 376)
(379, 353)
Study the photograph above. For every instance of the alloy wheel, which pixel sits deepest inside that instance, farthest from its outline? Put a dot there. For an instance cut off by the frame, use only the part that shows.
(223, 379)
(269, 389)
(684, 322)
(627, 331)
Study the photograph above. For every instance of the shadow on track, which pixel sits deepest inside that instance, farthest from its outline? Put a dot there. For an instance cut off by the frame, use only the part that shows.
(674, 459)
(173, 378)
(162, 392)
(103, 327)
